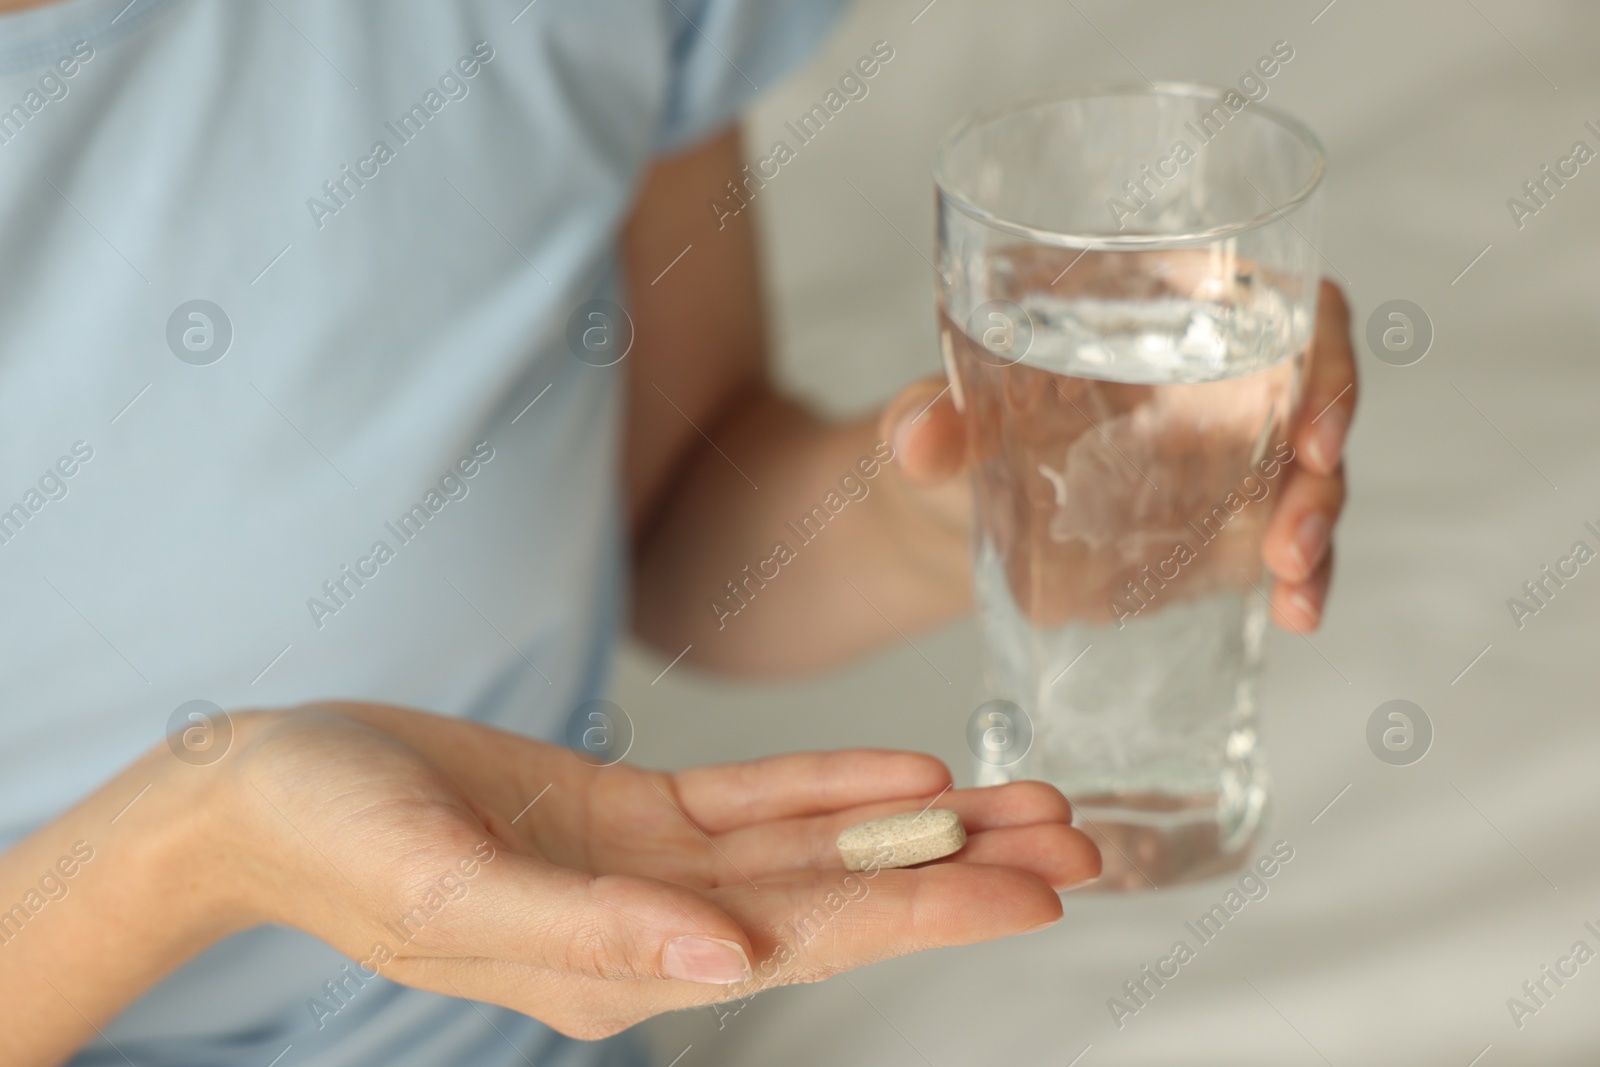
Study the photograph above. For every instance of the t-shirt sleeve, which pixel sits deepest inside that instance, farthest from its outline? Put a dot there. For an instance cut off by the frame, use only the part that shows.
(725, 52)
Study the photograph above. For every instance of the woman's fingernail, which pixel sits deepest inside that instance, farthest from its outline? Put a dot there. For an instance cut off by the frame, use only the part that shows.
(1310, 542)
(902, 434)
(708, 960)
(1304, 605)
(1327, 440)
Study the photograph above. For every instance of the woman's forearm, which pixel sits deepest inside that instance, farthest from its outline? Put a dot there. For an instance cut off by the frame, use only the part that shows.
(794, 543)
(101, 903)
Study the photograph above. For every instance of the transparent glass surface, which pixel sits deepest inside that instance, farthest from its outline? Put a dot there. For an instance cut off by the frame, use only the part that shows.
(1127, 288)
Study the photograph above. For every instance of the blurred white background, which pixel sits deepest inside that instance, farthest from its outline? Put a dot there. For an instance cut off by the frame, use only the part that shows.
(1426, 896)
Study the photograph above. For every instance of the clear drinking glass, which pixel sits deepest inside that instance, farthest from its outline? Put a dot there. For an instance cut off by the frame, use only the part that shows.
(1127, 288)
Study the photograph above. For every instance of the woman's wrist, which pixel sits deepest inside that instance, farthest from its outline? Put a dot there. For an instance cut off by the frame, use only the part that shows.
(102, 902)
(175, 837)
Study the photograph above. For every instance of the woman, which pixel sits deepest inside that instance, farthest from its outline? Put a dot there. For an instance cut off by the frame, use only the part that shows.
(318, 396)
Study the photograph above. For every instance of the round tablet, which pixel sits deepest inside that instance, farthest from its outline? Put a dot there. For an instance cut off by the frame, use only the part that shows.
(902, 840)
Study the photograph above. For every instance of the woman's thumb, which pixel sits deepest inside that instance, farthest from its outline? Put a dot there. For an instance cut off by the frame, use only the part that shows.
(610, 926)
(926, 431)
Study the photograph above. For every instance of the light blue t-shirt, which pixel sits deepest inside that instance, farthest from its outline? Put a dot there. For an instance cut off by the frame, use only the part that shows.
(288, 408)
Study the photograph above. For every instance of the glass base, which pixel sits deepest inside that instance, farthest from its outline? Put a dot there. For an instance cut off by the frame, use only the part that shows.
(1150, 840)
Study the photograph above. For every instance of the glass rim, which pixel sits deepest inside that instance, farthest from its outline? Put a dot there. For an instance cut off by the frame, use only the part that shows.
(1105, 241)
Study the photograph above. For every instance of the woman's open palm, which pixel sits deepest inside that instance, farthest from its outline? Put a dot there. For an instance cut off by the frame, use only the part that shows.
(462, 859)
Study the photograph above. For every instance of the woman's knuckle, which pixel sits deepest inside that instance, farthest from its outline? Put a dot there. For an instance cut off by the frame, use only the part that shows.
(594, 950)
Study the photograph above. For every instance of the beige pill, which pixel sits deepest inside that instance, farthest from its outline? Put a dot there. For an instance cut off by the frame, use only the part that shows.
(902, 840)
